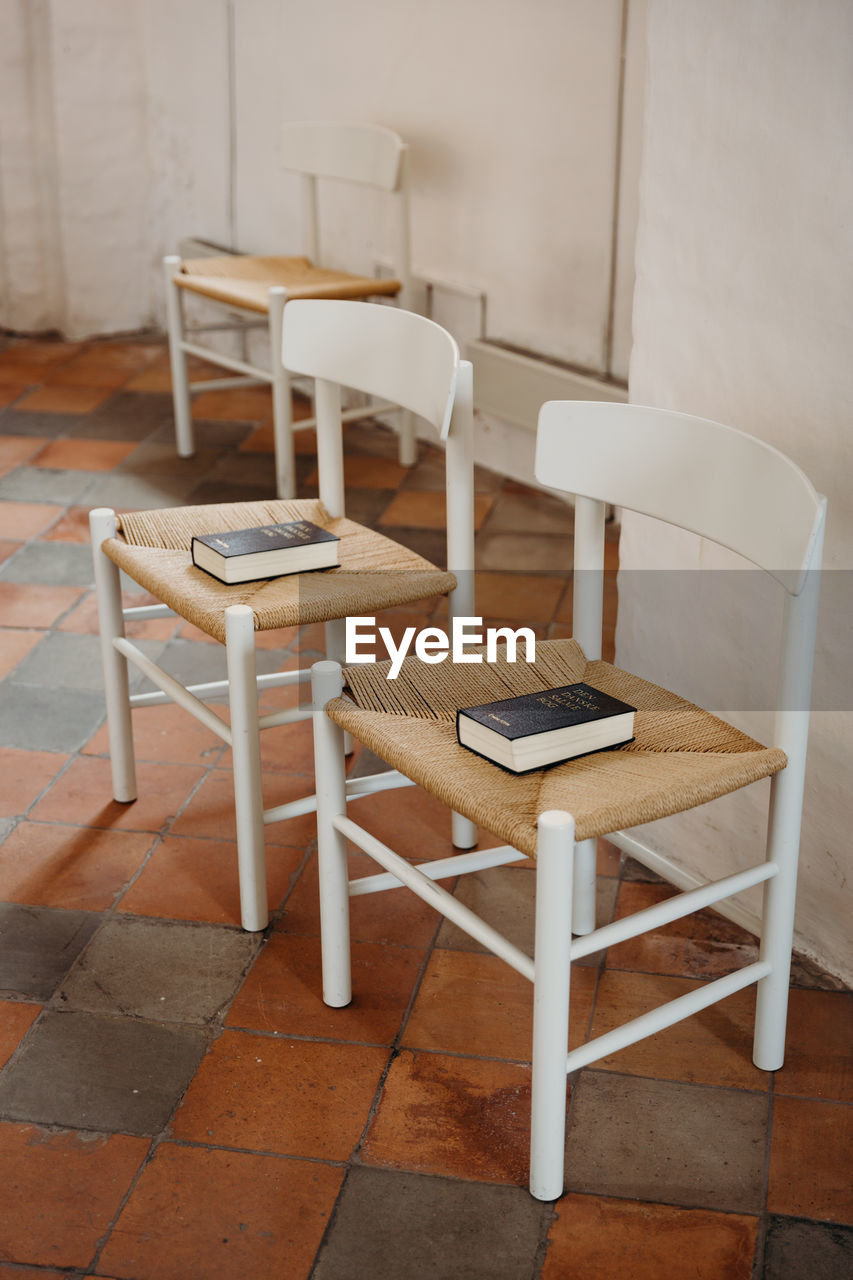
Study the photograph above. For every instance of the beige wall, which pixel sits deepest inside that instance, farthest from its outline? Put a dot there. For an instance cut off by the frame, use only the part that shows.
(742, 313)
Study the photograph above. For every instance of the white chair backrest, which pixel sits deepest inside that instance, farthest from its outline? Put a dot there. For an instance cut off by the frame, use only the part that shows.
(366, 153)
(379, 350)
(697, 474)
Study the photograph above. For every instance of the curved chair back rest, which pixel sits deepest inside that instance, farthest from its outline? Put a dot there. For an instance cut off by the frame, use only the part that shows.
(697, 474)
(365, 153)
(382, 351)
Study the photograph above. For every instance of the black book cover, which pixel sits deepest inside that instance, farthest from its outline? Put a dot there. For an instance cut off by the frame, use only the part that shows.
(532, 713)
(268, 537)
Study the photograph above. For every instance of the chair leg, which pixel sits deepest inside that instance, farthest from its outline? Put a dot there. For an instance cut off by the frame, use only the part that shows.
(335, 636)
(552, 965)
(282, 401)
(408, 442)
(246, 756)
(583, 899)
(783, 841)
(102, 525)
(178, 360)
(329, 768)
(463, 832)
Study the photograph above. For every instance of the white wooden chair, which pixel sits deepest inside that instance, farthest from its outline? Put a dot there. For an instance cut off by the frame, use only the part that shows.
(692, 473)
(248, 285)
(377, 350)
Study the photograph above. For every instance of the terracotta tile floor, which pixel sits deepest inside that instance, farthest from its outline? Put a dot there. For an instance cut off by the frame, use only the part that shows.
(176, 1101)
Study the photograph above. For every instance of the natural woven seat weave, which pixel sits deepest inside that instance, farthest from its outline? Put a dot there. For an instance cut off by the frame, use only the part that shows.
(153, 547)
(245, 281)
(681, 756)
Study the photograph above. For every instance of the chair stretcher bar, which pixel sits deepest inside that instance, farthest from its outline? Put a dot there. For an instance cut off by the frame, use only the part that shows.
(665, 1016)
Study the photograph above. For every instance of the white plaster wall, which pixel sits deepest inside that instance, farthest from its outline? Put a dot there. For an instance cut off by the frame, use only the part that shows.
(188, 119)
(124, 132)
(96, 49)
(742, 313)
(32, 289)
(511, 116)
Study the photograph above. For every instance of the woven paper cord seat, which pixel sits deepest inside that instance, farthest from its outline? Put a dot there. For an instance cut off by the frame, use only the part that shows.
(153, 547)
(681, 756)
(245, 281)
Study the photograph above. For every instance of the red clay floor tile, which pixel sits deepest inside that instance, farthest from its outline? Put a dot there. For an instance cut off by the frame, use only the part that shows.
(17, 449)
(294, 1097)
(15, 1021)
(35, 605)
(22, 520)
(84, 795)
(61, 1191)
(413, 823)
(285, 749)
(712, 1047)
(15, 645)
(73, 526)
(58, 399)
(704, 945)
(810, 1160)
(186, 879)
(40, 352)
(458, 1117)
(166, 734)
(9, 393)
(210, 812)
(25, 775)
(596, 1238)
(396, 916)
(425, 509)
(42, 864)
(84, 619)
(243, 404)
(819, 1046)
(19, 377)
(83, 455)
(525, 598)
(368, 471)
(476, 1004)
(224, 1215)
(89, 374)
(14, 1272)
(284, 992)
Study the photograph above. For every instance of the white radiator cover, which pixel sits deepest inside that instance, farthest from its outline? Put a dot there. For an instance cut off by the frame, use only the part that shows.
(513, 387)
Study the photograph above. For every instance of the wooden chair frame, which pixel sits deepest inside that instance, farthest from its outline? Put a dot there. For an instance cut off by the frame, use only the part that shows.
(377, 350)
(723, 485)
(362, 154)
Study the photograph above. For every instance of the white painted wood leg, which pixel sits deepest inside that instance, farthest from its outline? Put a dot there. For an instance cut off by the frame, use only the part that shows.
(335, 633)
(783, 840)
(329, 767)
(554, 856)
(407, 444)
(463, 832)
(282, 401)
(102, 525)
(246, 756)
(178, 359)
(583, 892)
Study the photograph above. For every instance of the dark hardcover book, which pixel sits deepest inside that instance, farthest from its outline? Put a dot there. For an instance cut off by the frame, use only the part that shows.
(538, 729)
(267, 551)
